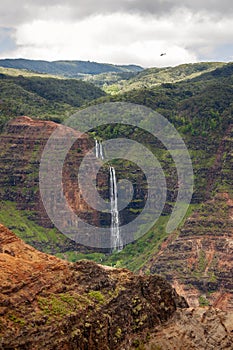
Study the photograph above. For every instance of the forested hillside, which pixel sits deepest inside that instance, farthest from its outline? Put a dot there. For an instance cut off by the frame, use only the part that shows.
(196, 106)
(43, 97)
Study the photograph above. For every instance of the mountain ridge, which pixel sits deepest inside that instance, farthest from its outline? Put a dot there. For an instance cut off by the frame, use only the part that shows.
(69, 69)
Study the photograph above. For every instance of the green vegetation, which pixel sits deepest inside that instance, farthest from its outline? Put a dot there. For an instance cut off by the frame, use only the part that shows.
(16, 319)
(109, 82)
(118, 333)
(73, 256)
(20, 222)
(152, 77)
(23, 72)
(97, 296)
(58, 305)
(42, 97)
(189, 105)
(203, 301)
(135, 255)
(202, 261)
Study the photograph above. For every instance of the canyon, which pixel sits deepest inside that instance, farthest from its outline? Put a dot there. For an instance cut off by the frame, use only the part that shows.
(196, 259)
(84, 305)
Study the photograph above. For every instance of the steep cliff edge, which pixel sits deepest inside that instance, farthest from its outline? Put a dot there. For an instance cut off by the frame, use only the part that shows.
(47, 303)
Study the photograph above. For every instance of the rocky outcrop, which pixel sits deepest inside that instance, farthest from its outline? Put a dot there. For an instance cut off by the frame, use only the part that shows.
(192, 329)
(47, 303)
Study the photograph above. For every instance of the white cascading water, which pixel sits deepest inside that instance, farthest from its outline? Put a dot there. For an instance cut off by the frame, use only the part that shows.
(99, 153)
(101, 150)
(116, 241)
(96, 149)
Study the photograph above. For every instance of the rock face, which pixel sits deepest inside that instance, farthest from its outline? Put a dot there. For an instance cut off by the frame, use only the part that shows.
(193, 329)
(197, 259)
(21, 147)
(47, 303)
(198, 262)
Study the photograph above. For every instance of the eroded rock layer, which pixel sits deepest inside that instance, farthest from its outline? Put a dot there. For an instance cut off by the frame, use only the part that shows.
(47, 303)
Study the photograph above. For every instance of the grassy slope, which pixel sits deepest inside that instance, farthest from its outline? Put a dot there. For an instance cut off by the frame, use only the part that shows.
(26, 73)
(19, 222)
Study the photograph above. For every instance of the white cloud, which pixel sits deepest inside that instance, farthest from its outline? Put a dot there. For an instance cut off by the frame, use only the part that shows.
(125, 38)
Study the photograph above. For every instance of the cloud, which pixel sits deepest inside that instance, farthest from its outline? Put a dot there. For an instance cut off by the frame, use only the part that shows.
(123, 31)
(14, 12)
(118, 38)
(123, 38)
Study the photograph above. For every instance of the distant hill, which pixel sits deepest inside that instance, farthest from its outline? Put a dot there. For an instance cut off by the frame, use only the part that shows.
(221, 72)
(69, 69)
(154, 76)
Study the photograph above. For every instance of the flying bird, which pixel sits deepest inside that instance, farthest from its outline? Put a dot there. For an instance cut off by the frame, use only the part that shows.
(163, 54)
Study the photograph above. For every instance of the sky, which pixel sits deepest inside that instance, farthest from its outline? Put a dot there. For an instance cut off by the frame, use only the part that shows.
(118, 31)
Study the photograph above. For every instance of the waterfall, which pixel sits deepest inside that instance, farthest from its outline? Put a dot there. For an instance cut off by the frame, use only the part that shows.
(116, 241)
(99, 153)
(96, 148)
(101, 150)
